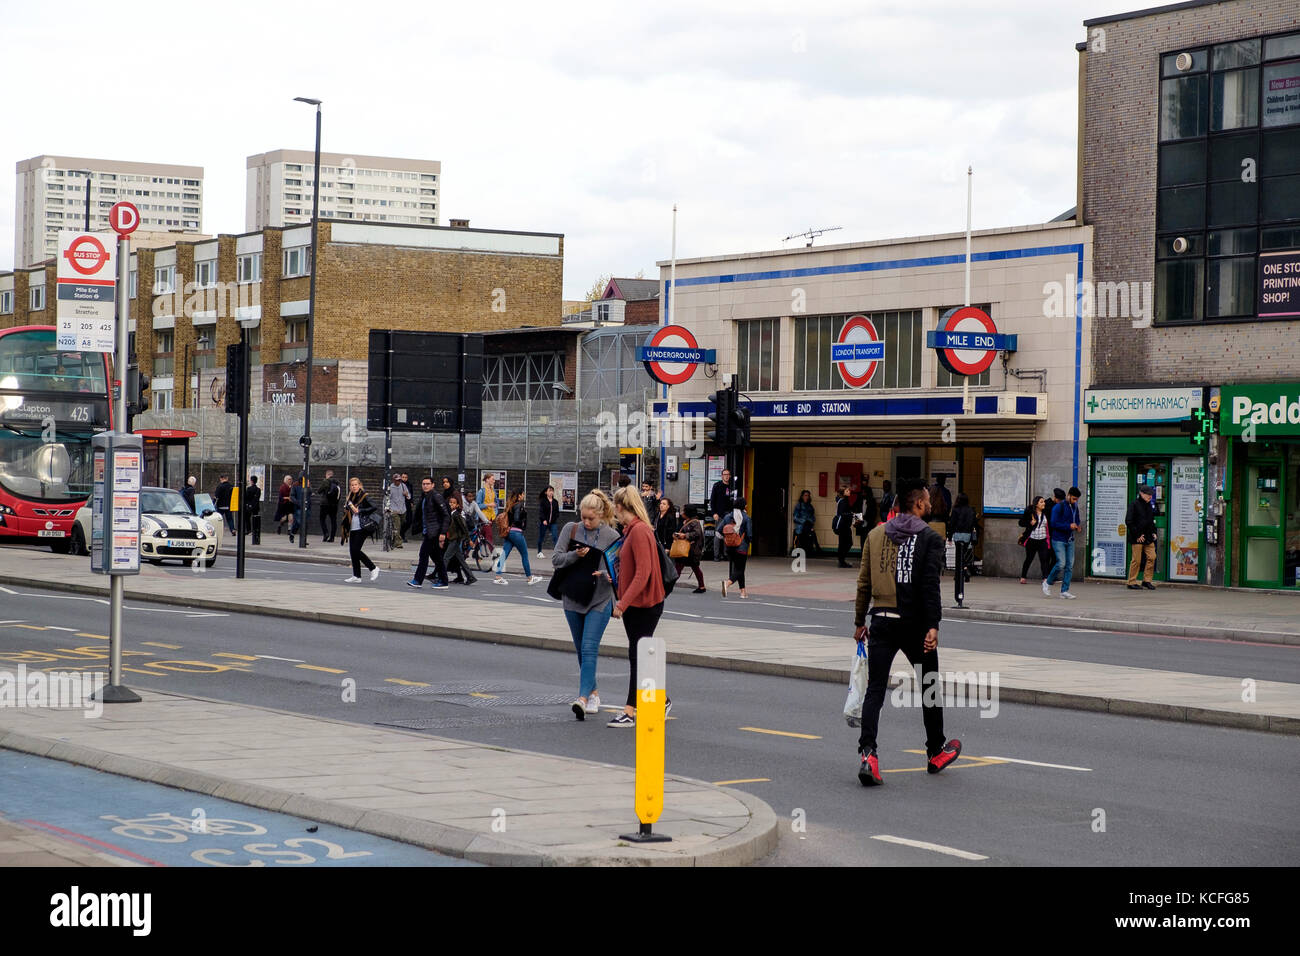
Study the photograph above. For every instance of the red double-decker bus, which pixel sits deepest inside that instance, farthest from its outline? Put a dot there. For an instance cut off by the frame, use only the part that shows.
(51, 403)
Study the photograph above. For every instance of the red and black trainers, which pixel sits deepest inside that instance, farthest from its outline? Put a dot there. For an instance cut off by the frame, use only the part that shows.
(869, 771)
(950, 752)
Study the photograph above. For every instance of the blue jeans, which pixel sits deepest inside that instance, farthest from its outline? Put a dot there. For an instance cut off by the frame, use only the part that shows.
(1064, 551)
(587, 630)
(515, 539)
(543, 530)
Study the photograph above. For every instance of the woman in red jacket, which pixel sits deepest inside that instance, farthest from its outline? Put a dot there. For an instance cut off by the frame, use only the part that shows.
(640, 588)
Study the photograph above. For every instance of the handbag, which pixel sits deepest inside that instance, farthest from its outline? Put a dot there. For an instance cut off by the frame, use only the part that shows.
(681, 549)
(667, 569)
(575, 581)
(731, 537)
(857, 687)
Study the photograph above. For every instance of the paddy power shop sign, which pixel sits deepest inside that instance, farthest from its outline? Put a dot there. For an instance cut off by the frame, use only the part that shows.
(1260, 410)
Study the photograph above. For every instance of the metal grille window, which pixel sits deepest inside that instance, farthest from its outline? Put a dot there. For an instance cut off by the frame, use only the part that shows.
(758, 348)
(814, 335)
(516, 378)
(609, 365)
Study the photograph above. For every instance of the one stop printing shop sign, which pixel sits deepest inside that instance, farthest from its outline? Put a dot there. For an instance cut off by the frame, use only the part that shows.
(87, 283)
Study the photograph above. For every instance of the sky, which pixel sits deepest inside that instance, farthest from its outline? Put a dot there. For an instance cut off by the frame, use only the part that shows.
(760, 119)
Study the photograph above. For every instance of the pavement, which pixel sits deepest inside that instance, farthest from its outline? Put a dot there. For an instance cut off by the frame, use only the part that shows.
(1179, 610)
(447, 795)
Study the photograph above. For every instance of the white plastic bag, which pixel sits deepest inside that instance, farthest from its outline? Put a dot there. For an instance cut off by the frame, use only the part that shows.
(857, 687)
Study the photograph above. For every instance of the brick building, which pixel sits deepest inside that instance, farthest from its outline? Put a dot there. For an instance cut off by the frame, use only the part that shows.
(1189, 156)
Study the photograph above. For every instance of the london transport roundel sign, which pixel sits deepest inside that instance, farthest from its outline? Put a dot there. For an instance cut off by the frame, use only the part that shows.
(974, 327)
(858, 351)
(672, 342)
(124, 218)
(86, 255)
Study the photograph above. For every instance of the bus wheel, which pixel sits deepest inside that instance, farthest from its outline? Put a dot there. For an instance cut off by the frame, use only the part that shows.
(78, 541)
(61, 545)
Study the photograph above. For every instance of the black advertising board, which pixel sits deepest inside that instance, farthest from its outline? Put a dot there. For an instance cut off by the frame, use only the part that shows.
(425, 381)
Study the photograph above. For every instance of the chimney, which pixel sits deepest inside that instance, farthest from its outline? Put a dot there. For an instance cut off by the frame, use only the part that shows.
(459, 223)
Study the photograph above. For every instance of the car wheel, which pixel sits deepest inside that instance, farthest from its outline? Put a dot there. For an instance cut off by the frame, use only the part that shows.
(79, 541)
(61, 546)
(211, 562)
(187, 562)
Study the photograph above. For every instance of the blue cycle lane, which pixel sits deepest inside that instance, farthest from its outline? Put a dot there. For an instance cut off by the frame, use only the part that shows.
(153, 825)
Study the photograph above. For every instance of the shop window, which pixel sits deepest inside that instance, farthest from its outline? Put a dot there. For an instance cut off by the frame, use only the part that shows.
(1231, 288)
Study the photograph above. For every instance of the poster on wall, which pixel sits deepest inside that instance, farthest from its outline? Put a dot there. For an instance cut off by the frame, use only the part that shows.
(716, 464)
(1109, 507)
(1185, 514)
(1006, 486)
(565, 484)
(697, 468)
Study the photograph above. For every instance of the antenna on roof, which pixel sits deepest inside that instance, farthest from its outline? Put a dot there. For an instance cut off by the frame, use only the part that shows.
(811, 234)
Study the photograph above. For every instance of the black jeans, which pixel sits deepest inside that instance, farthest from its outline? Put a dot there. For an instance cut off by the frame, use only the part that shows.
(451, 557)
(1043, 550)
(737, 566)
(329, 524)
(357, 541)
(430, 548)
(638, 622)
(694, 565)
(886, 638)
(846, 542)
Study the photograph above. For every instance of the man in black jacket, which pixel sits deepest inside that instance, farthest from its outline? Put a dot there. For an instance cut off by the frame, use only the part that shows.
(842, 524)
(1141, 524)
(435, 521)
(721, 504)
(898, 580)
(221, 498)
(329, 492)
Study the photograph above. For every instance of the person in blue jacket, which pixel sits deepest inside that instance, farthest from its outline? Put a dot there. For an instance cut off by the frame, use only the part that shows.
(1064, 522)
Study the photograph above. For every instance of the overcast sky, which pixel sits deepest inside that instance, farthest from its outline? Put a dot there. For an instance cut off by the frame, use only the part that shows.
(759, 119)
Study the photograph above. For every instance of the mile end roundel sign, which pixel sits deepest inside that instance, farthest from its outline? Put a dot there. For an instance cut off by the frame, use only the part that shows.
(967, 341)
(858, 352)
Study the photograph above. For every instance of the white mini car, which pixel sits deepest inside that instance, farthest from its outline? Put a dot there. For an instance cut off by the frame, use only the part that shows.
(169, 531)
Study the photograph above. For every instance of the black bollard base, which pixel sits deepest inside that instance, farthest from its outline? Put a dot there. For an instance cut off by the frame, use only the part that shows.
(644, 835)
(117, 694)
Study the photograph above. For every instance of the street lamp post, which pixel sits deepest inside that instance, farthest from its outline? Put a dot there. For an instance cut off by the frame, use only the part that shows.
(87, 173)
(305, 440)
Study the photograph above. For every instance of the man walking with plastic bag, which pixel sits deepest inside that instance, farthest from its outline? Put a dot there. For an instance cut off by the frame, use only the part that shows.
(899, 581)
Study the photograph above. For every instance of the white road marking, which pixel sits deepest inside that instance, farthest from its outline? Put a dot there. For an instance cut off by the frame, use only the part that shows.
(751, 620)
(935, 847)
(682, 614)
(7, 591)
(287, 660)
(17, 621)
(52, 627)
(1035, 763)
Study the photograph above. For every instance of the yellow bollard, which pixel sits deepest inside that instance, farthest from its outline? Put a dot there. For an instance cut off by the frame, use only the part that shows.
(652, 697)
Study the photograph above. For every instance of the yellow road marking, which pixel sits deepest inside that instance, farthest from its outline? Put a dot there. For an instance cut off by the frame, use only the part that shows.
(170, 647)
(962, 763)
(725, 783)
(405, 683)
(475, 693)
(29, 627)
(98, 637)
(781, 733)
(313, 667)
(238, 657)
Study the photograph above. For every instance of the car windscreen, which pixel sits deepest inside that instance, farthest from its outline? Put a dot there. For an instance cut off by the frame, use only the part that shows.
(163, 502)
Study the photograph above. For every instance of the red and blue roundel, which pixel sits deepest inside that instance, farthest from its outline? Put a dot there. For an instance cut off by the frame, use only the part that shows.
(858, 352)
(971, 327)
(672, 342)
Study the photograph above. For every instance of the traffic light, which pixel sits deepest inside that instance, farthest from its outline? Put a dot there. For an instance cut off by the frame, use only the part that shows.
(137, 391)
(721, 417)
(236, 383)
(740, 423)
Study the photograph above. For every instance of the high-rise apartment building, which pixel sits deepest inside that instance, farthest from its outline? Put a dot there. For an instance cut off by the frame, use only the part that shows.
(360, 188)
(51, 195)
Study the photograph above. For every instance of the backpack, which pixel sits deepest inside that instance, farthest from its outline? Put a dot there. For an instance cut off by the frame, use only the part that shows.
(501, 526)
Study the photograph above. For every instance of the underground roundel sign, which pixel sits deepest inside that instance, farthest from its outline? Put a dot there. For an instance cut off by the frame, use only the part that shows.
(671, 354)
(858, 352)
(967, 341)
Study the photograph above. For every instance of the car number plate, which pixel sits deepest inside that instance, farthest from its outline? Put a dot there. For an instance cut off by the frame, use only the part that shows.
(180, 544)
(50, 534)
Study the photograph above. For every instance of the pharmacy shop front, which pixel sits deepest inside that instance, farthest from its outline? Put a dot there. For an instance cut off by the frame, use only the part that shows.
(1142, 436)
